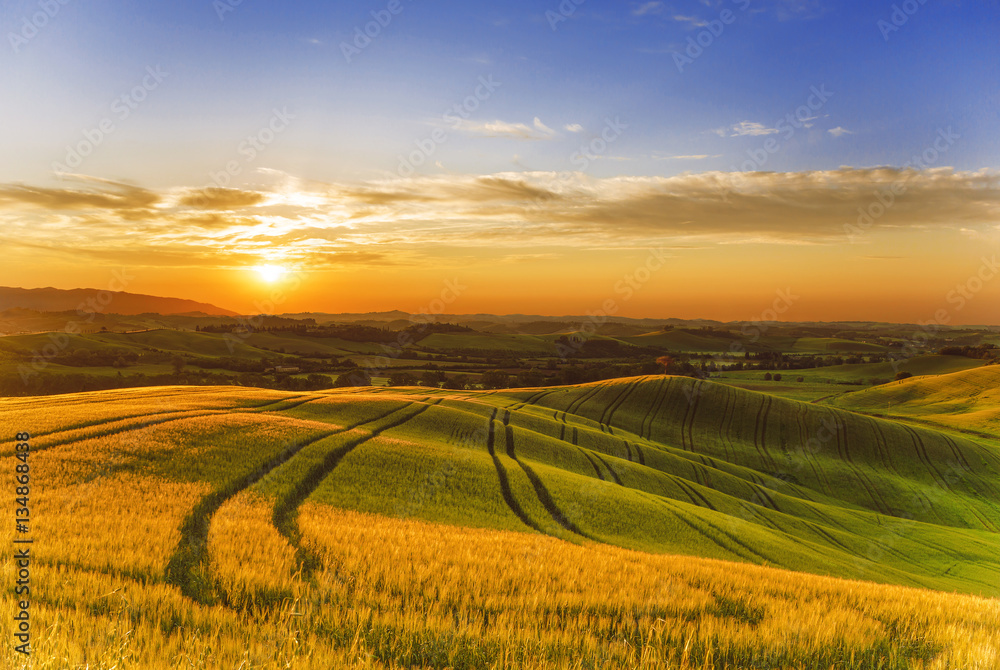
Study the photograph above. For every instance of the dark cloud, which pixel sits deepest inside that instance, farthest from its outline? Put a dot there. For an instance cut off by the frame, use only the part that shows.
(115, 196)
(221, 198)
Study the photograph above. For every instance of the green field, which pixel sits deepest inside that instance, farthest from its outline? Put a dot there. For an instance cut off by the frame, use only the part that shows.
(862, 372)
(967, 401)
(378, 527)
(656, 464)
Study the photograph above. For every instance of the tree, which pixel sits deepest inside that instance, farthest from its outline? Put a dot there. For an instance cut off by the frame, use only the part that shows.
(178, 362)
(318, 382)
(354, 378)
(430, 378)
(777, 377)
(494, 379)
(666, 362)
(402, 379)
(767, 376)
(457, 383)
(903, 375)
(530, 378)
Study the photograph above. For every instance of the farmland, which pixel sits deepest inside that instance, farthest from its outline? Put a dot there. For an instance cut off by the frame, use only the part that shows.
(651, 521)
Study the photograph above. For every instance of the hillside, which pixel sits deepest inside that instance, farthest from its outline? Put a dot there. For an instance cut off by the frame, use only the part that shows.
(656, 464)
(72, 300)
(966, 401)
(595, 513)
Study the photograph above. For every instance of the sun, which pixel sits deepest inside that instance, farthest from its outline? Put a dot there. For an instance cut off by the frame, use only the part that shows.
(271, 273)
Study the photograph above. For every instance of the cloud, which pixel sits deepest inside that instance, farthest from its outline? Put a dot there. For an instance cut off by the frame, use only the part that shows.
(693, 157)
(573, 128)
(746, 128)
(516, 213)
(840, 131)
(648, 8)
(221, 198)
(115, 196)
(787, 10)
(693, 20)
(521, 131)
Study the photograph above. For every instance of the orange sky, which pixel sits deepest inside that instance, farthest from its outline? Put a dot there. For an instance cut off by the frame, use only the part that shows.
(708, 245)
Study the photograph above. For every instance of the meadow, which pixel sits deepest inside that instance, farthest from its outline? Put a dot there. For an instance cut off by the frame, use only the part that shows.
(650, 522)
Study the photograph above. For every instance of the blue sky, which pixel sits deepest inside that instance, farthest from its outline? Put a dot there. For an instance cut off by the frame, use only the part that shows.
(608, 59)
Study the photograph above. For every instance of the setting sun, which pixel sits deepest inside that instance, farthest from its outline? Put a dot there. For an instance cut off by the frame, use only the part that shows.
(270, 273)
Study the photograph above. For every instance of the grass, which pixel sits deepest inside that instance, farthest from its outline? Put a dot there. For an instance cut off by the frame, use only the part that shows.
(966, 401)
(649, 522)
(932, 364)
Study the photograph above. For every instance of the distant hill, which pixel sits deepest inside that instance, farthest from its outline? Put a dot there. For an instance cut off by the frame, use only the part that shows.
(968, 400)
(59, 300)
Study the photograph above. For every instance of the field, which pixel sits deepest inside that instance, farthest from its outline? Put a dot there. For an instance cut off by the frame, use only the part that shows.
(967, 401)
(654, 522)
(835, 380)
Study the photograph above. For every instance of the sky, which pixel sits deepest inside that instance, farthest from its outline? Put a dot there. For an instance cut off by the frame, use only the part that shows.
(691, 159)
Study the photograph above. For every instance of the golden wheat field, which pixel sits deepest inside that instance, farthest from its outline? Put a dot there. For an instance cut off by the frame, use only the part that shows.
(362, 590)
(424, 595)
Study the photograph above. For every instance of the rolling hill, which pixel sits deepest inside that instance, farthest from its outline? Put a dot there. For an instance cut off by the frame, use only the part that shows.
(968, 400)
(212, 503)
(59, 300)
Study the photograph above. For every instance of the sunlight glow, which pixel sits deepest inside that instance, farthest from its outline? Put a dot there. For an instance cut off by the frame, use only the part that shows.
(271, 273)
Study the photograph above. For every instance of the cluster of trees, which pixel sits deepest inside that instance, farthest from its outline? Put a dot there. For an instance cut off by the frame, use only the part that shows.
(52, 384)
(980, 351)
(260, 365)
(260, 323)
(97, 358)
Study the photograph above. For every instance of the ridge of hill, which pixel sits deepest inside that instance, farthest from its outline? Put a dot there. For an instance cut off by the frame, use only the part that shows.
(658, 464)
(63, 300)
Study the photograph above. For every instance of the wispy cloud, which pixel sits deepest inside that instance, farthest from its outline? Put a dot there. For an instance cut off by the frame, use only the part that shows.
(648, 8)
(573, 128)
(521, 131)
(692, 157)
(840, 131)
(742, 128)
(693, 21)
(787, 10)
